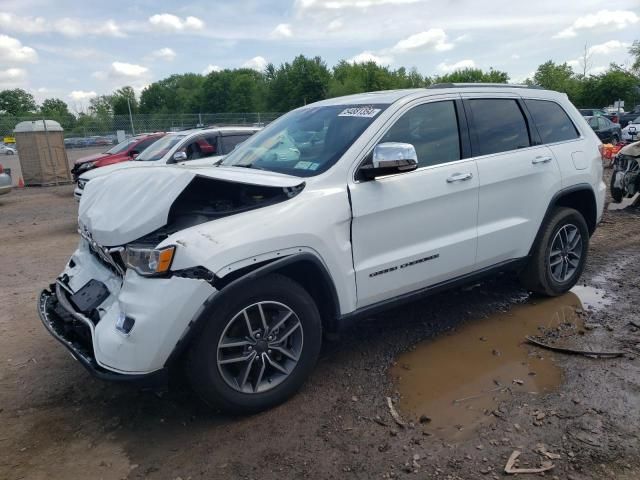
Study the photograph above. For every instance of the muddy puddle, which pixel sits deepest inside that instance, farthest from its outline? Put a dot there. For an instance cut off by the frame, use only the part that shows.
(458, 379)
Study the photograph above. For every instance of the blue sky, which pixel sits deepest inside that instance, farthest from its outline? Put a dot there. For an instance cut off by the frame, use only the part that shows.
(74, 50)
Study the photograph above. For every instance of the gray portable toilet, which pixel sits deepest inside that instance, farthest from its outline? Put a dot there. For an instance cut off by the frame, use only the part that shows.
(43, 158)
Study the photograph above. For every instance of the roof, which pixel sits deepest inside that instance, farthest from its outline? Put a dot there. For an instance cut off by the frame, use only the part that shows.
(38, 126)
(387, 97)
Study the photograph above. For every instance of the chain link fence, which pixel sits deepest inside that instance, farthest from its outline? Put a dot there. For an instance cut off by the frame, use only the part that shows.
(91, 126)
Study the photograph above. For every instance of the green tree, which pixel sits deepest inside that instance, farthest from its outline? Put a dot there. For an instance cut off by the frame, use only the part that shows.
(119, 98)
(240, 90)
(174, 94)
(17, 102)
(473, 75)
(560, 78)
(615, 84)
(634, 51)
(56, 109)
(291, 85)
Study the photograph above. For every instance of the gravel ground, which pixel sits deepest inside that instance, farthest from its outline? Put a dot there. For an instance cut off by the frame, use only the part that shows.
(58, 422)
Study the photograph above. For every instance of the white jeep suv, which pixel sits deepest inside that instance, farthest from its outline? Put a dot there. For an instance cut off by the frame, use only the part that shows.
(332, 212)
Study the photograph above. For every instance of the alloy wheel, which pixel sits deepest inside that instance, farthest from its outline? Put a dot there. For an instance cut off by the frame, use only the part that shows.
(260, 347)
(566, 253)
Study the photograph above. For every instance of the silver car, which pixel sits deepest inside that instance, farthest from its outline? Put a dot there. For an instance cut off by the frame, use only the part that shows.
(7, 150)
(5, 181)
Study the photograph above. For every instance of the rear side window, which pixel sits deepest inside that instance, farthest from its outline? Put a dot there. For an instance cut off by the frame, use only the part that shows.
(432, 128)
(499, 124)
(145, 143)
(553, 123)
(229, 142)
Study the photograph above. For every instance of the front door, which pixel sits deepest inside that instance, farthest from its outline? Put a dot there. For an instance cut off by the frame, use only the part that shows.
(416, 229)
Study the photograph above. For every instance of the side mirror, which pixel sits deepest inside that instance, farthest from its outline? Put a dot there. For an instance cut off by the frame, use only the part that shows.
(179, 157)
(134, 153)
(390, 158)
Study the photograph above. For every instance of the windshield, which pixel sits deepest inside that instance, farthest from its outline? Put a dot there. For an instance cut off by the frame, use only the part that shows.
(305, 142)
(159, 149)
(122, 146)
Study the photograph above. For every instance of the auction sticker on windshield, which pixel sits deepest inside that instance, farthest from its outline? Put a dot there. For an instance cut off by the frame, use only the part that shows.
(366, 112)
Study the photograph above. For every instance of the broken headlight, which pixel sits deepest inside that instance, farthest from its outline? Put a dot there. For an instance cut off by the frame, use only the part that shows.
(148, 261)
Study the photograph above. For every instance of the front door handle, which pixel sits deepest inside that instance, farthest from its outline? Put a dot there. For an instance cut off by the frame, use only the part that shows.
(459, 177)
(541, 160)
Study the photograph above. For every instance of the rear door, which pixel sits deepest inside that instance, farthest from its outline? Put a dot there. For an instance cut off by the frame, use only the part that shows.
(518, 177)
(415, 229)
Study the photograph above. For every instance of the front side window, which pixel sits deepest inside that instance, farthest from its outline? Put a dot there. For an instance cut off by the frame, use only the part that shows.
(200, 147)
(432, 128)
(593, 123)
(603, 123)
(553, 123)
(145, 143)
(500, 125)
(307, 141)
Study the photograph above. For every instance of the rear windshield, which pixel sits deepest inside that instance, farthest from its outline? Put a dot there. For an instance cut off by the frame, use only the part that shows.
(305, 142)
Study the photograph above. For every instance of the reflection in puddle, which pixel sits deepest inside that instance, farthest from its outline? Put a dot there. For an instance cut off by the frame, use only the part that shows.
(457, 380)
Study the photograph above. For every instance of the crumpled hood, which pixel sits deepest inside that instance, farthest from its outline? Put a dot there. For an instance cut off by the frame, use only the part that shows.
(129, 203)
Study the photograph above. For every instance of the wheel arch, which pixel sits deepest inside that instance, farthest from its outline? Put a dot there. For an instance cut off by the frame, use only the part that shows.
(304, 268)
(579, 197)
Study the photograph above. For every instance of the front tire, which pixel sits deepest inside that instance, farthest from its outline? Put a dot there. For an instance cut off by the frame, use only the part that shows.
(258, 348)
(559, 255)
(616, 193)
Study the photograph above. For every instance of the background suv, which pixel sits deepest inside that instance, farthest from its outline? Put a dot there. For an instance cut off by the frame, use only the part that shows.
(333, 212)
(122, 152)
(197, 146)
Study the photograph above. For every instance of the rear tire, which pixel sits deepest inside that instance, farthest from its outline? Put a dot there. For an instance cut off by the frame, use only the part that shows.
(560, 254)
(280, 354)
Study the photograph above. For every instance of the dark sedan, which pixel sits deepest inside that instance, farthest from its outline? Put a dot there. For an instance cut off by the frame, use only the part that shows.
(606, 130)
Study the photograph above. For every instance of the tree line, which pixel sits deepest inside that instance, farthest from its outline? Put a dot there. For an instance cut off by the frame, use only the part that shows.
(305, 80)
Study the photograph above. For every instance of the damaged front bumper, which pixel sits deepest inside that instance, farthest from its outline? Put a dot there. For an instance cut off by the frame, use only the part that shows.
(89, 326)
(75, 332)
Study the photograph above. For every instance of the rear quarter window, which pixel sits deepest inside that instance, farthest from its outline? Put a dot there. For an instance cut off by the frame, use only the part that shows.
(552, 122)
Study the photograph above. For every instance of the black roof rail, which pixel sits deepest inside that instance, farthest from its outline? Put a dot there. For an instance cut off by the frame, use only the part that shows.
(492, 85)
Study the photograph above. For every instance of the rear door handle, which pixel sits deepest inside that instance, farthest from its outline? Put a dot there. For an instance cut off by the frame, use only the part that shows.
(541, 160)
(459, 177)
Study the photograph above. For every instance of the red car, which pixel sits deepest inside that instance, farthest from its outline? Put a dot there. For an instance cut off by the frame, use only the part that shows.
(122, 152)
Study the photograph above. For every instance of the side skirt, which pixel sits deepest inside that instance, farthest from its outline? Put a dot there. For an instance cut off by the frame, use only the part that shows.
(369, 310)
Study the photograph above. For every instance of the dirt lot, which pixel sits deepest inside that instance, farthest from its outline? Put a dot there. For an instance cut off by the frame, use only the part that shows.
(57, 422)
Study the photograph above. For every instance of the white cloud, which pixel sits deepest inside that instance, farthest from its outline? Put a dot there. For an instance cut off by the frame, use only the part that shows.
(12, 77)
(461, 65)
(598, 70)
(515, 56)
(81, 95)
(335, 25)
(607, 48)
(165, 53)
(256, 63)
(168, 22)
(302, 5)
(12, 50)
(432, 39)
(282, 31)
(131, 70)
(211, 68)
(574, 63)
(12, 22)
(617, 19)
(465, 37)
(367, 56)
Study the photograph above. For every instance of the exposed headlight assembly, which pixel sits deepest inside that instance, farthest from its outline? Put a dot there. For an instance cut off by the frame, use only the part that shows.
(148, 261)
(81, 183)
